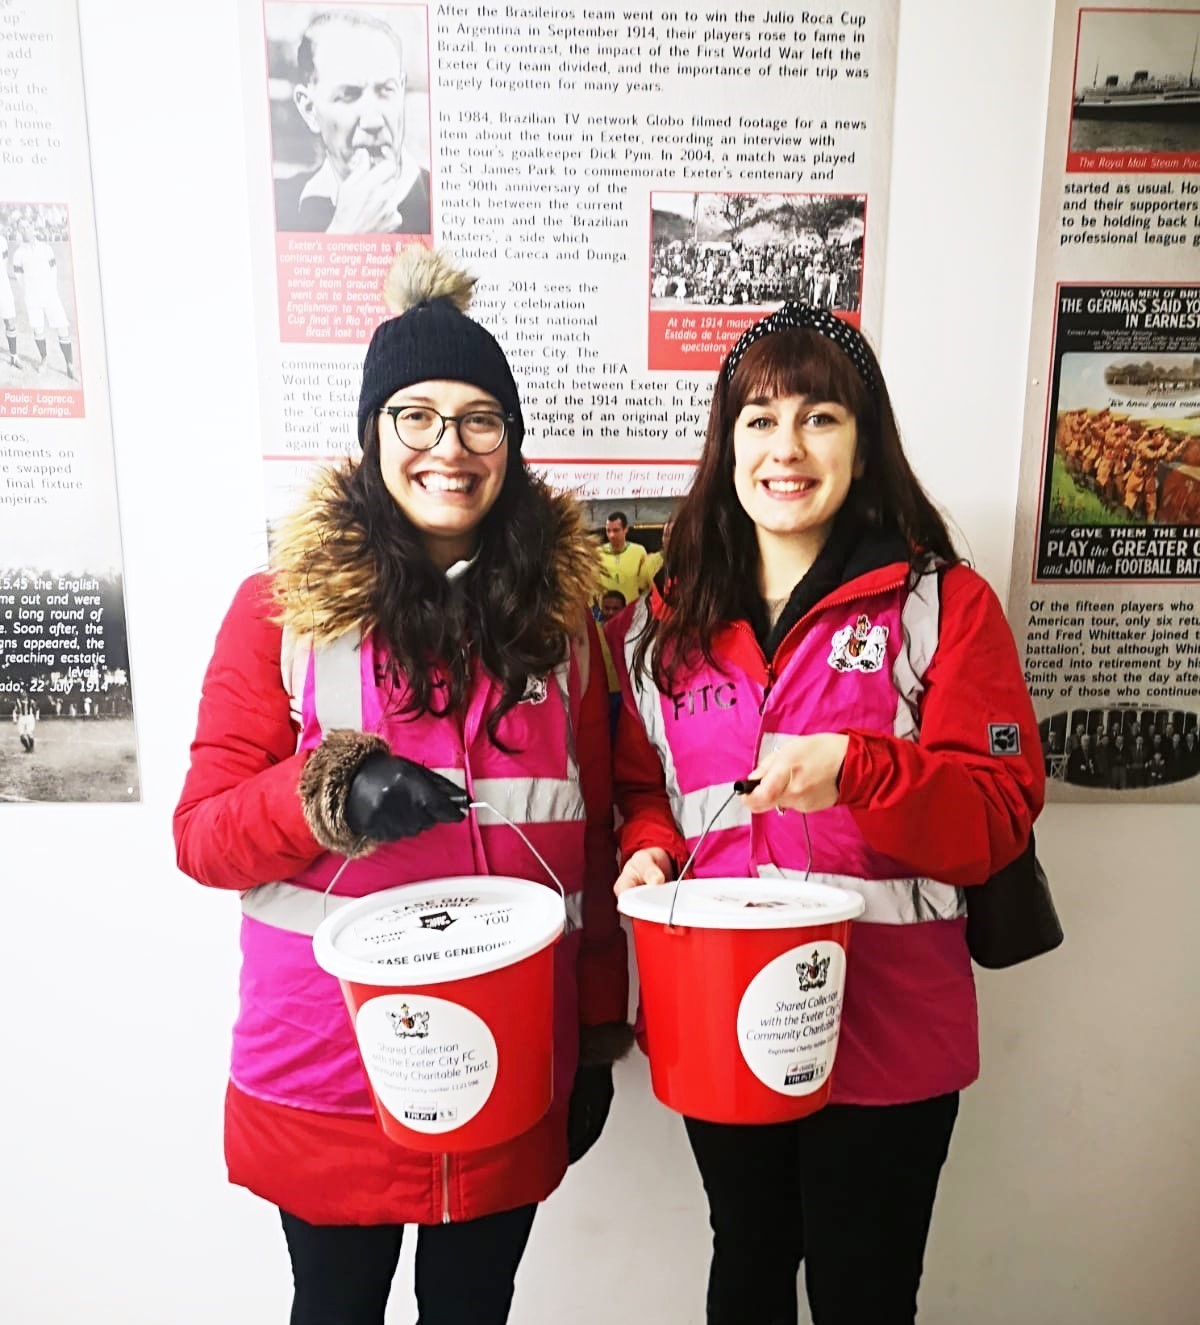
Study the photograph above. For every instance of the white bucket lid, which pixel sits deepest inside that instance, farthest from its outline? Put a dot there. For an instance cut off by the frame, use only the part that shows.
(746, 903)
(445, 929)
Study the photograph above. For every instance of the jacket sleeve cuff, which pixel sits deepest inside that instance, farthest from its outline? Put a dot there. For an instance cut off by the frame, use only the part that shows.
(859, 774)
(325, 786)
(601, 1046)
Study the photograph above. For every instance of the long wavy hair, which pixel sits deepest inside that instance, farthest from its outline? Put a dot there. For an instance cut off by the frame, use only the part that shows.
(511, 610)
(712, 558)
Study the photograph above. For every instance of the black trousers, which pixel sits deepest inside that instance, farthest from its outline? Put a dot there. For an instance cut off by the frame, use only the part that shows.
(849, 1190)
(464, 1272)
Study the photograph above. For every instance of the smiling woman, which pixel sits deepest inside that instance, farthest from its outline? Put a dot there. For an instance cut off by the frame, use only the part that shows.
(422, 641)
(813, 631)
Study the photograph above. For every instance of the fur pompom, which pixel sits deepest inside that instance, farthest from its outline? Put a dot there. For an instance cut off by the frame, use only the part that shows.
(420, 274)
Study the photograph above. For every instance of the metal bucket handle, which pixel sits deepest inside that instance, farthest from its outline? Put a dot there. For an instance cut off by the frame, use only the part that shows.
(472, 805)
(742, 787)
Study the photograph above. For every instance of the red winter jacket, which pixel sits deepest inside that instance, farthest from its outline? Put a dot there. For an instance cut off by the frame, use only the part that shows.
(919, 815)
(240, 823)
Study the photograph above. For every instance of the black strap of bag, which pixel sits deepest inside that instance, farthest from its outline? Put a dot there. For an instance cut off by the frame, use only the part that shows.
(1011, 918)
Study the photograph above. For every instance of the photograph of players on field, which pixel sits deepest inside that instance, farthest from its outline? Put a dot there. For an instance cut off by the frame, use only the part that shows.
(349, 94)
(1126, 441)
(66, 708)
(37, 297)
(1137, 81)
(726, 250)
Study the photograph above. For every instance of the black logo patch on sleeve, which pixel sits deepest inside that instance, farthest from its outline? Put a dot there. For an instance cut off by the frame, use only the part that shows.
(1004, 738)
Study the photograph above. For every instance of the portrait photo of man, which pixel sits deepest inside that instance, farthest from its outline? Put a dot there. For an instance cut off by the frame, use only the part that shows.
(351, 136)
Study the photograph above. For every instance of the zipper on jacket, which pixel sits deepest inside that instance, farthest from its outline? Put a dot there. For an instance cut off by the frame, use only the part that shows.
(445, 1189)
(768, 667)
(767, 689)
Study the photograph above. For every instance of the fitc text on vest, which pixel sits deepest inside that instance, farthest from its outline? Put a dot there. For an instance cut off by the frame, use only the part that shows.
(702, 699)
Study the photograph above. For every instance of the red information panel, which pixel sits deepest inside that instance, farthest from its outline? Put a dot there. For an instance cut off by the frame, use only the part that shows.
(38, 403)
(1134, 162)
(700, 339)
(330, 285)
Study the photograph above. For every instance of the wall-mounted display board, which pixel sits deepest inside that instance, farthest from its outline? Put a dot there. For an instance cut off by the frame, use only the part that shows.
(1106, 566)
(66, 706)
(633, 188)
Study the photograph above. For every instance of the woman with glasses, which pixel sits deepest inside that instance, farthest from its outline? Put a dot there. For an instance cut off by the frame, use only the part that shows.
(815, 631)
(423, 638)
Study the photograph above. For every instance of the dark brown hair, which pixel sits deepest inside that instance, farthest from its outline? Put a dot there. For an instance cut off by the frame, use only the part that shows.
(711, 559)
(507, 610)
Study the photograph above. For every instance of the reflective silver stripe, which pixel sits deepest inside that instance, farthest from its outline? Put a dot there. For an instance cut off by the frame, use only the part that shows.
(919, 622)
(649, 705)
(294, 653)
(301, 910)
(562, 682)
(694, 809)
(337, 684)
(287, 906)
(531, 800)
(889, 901)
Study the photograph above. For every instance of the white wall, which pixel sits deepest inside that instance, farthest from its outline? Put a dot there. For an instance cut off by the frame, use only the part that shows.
(1072, 1190)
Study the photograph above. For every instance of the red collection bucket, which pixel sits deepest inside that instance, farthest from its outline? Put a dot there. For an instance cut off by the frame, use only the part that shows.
(450, 986)
(742, 993)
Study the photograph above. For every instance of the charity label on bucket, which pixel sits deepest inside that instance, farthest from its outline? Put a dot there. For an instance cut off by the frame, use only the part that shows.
(788, 1018)
(431, 1063)
(741, 983)
(450, 986)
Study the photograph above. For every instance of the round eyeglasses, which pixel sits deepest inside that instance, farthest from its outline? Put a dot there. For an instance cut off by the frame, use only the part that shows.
(420, 428)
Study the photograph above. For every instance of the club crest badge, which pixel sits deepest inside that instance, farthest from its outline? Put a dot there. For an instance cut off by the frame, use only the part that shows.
(535, 690)
(407, 1024)
(861, 647)
(813, 973)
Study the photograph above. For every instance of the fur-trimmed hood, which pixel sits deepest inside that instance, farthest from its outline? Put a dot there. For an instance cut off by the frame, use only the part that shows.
(323, 575)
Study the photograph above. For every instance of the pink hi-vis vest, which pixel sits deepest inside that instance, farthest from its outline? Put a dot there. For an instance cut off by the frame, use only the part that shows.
(909, 1021)
(293, 1043)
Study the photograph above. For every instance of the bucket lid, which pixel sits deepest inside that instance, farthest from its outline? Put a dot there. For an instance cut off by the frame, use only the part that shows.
(745, 903)
(445, 929)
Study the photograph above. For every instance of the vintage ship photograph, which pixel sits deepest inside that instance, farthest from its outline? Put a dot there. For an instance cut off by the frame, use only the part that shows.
(1136, 85)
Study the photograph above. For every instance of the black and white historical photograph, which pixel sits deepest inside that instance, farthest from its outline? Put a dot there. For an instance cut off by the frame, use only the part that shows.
(66, 700)
(37, 297)
(1136, 85)
(349, 99)
(66, 706)
(1121, 749)
(756, 249)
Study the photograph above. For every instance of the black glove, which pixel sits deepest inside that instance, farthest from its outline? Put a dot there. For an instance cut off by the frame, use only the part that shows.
(391, 797)
(587, 1112)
